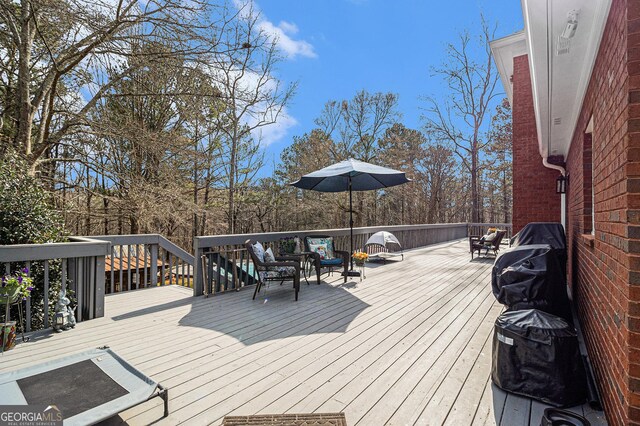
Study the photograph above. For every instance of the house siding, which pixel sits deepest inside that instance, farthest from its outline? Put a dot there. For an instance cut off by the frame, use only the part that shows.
(534, 186)
(604, 270)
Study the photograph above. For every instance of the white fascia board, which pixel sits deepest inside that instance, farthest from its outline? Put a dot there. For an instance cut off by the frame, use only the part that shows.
(538, 68)
(602, 13)
(549, 99)
(503, 51)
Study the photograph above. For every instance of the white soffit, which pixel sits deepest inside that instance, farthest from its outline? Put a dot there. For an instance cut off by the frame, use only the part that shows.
(503, 51)
(561, 68)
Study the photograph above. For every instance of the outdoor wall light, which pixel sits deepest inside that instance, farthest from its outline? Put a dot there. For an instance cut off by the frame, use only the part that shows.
(572, 25)
(564, 40)
(561, 185)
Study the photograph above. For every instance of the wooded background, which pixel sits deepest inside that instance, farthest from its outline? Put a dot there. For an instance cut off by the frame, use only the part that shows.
(141, 117)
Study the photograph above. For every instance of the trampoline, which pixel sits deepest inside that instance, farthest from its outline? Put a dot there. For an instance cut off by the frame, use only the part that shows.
(87, 387)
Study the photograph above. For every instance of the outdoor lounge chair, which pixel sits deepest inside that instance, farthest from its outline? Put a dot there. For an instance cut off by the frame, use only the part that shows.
(284, 268)
(476, 243)
(323, 254)
(84, 388)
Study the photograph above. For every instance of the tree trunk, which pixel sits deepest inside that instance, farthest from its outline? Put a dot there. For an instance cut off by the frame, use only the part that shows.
(203, 220)
(194, 225)
(88, 217)
(505, 197)
(475, 207)
(134, 224)
(232, 176)
(25, 124)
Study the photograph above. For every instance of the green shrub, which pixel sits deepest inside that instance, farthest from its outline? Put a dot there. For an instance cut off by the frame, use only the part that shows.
(28, 217)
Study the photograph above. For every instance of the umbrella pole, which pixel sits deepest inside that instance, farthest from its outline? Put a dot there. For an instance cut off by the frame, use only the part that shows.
(351, 225)
(351, 272)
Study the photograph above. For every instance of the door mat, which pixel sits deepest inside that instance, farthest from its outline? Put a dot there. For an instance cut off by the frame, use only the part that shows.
(311, 419)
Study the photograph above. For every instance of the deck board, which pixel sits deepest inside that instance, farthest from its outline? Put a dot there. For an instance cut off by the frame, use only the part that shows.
(410, 344)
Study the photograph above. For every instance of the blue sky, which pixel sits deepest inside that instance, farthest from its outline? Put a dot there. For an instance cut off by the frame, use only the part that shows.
(337, 47)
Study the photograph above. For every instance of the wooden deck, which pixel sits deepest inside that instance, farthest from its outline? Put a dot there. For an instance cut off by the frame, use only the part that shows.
(410, 344)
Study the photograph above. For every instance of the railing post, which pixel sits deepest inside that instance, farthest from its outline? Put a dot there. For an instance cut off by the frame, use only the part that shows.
(78, 273)
(198, 283)
(99, 287)
(154, 264)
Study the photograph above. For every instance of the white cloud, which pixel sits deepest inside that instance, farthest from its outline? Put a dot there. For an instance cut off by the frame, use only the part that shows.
(288, 27)
(260, 112)
(276, 131)
(282, 32)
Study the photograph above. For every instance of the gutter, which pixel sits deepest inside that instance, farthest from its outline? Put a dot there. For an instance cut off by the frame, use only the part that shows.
(563, 197)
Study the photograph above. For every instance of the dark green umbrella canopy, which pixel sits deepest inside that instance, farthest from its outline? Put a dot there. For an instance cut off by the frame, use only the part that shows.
(351, 175)
(363, 177)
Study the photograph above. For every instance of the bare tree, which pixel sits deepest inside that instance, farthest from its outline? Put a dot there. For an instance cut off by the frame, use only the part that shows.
(439, 171)
(499, 161)
(460, 119)
(60, 58)
(356, 124)
(254, 96)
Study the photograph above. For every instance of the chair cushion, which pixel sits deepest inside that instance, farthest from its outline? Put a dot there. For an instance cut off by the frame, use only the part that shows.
(322, 246)
(278, 272)
(268, 256)
(489, 237)
(331, 262)
(258, 250)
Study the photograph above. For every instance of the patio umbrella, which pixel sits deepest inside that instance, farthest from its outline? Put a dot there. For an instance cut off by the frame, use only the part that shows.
(351, 175)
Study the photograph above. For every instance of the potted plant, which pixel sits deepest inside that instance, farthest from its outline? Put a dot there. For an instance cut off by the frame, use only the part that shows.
(13, 288)
(360, 257)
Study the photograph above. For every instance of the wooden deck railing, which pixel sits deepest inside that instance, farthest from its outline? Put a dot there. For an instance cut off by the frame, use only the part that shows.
(98, 265)
(210, 251)
(134, 261)
(82, 269)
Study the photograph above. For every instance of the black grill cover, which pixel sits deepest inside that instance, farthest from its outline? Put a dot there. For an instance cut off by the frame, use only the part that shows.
(544, 233)
(530, 277)
(536, 354)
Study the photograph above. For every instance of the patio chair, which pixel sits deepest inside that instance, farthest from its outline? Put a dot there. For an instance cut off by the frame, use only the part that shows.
(323, 254)
(477, 243)
(283, 268)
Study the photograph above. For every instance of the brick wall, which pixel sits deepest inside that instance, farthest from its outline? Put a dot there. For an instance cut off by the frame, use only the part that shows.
(534, 186)
(604, 270)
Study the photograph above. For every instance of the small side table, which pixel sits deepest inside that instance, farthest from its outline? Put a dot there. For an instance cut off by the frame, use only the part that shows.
(361, 268)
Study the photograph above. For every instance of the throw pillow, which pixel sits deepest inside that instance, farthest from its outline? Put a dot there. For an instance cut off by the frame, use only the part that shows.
(321, 249)
(326, 242)
(489, 237)
(268, 256)
(258, 249)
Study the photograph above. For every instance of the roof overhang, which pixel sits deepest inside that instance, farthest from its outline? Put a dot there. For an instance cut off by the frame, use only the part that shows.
(560, 66)
(503, 51)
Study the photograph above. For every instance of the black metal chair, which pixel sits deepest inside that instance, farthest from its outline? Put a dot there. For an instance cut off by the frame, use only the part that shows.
(477, 244)
(284, 268)
(319, 262)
